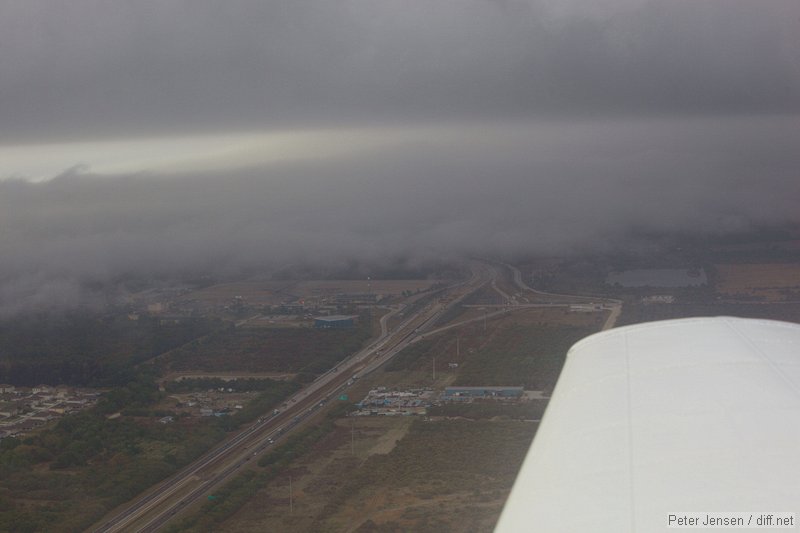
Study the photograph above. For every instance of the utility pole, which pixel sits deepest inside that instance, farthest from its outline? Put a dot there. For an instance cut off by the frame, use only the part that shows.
(291, 503)
(458, 348)
(353, 436)
(434, 369)
(369, 301)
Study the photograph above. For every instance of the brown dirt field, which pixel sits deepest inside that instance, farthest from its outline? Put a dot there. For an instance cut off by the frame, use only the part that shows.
(325, 500)
(768, 281)
(316, 476)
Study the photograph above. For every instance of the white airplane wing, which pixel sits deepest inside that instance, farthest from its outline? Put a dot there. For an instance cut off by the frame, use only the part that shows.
(681, 417)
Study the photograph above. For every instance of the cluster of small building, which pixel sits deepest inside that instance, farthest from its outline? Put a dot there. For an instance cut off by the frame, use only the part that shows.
(322, 306)
(585, 308)
(659, 299)
(23, 409)
(386, 402)
(175, 306)
(298, 313)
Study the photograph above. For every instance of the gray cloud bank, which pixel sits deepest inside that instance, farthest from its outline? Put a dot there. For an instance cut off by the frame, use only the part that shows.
(555, 187)
(85, 68)
(620, 115)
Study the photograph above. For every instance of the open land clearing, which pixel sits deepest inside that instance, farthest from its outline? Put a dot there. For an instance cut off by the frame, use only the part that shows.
(765, 281)
(257, 293)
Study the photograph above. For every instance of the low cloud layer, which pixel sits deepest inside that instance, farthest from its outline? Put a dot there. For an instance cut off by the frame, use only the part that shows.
(466, 127)
(551, 187)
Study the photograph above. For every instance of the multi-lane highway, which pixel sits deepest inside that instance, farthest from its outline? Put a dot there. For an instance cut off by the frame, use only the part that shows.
(156, 507)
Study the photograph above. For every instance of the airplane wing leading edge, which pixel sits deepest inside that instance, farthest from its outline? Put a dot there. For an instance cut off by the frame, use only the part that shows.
(665, 418)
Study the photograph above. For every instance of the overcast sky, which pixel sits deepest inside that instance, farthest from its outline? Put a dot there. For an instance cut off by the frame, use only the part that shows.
(157, 137)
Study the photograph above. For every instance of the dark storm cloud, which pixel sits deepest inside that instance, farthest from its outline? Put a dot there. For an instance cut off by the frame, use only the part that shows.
(85, 68)
(554, 187)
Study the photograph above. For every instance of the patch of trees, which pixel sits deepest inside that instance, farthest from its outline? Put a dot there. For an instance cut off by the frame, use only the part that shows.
(96, 462)
(140, 392)
(83, 349)
(271, 349)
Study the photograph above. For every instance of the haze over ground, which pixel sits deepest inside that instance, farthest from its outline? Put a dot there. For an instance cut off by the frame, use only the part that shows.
(155, 138)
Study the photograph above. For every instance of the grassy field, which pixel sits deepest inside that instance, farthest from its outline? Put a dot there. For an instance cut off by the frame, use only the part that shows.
(517, 355)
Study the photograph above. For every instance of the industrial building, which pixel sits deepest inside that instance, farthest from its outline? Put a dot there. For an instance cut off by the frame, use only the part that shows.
(456, 393)
(334, 322)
